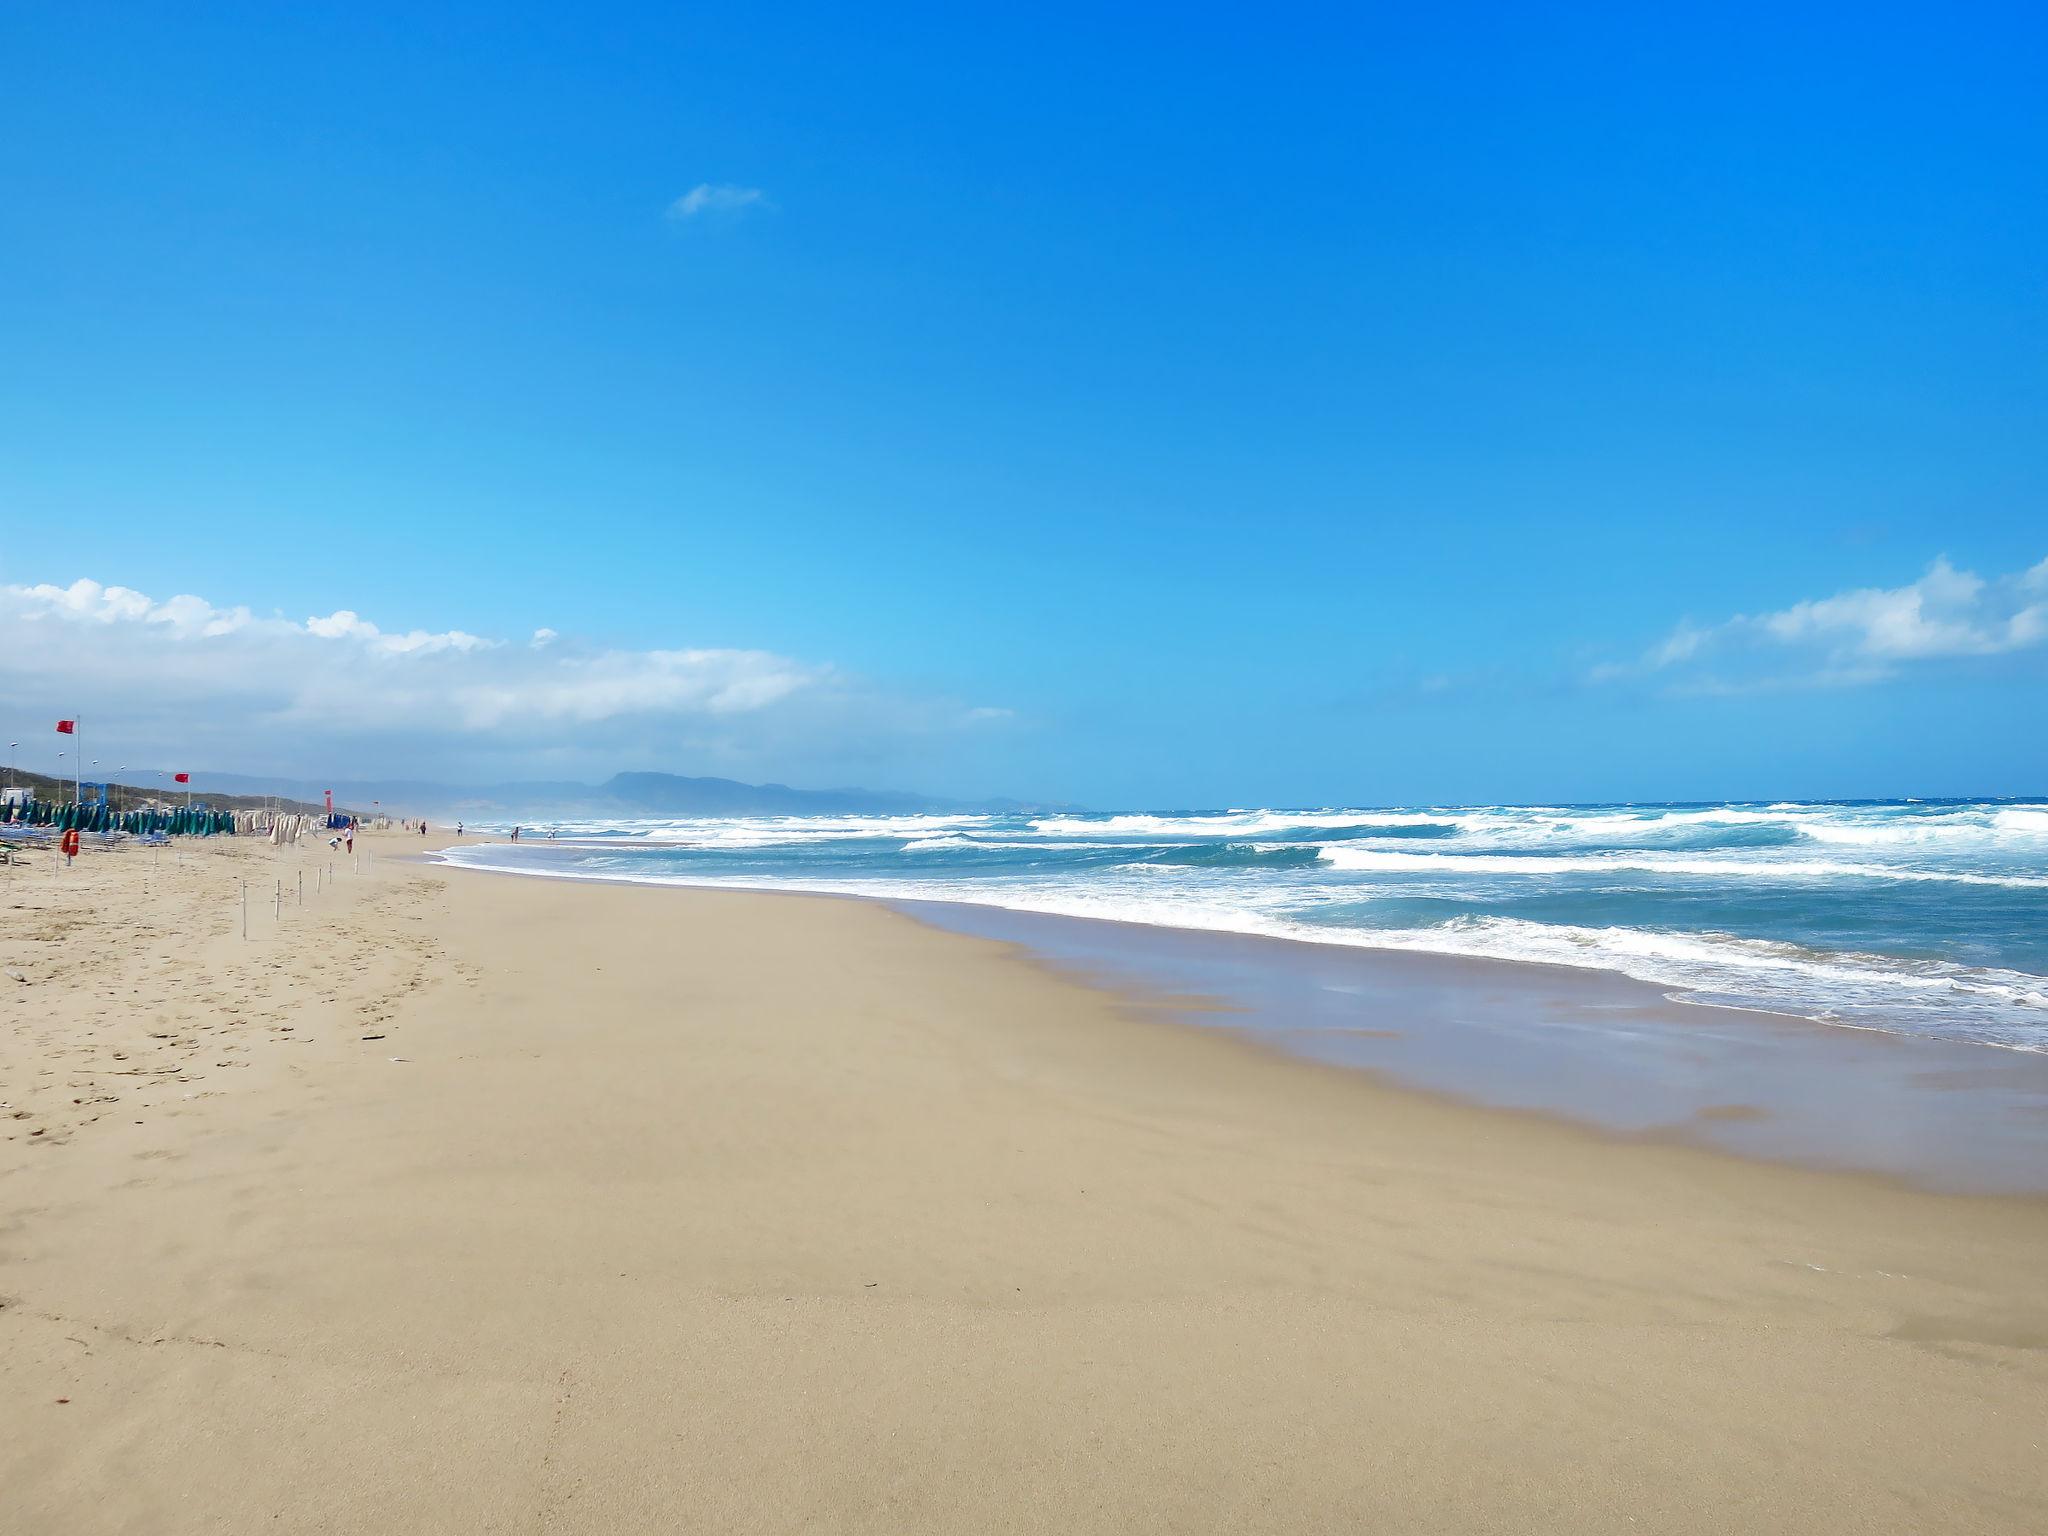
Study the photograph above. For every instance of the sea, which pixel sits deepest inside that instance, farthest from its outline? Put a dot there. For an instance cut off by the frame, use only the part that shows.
(1912, 918)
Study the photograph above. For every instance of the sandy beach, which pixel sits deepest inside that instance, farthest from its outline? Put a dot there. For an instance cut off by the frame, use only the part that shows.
(448, 1201)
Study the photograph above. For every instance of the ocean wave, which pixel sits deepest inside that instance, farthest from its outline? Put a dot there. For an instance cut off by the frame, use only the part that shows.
(1351, 857)
(714, 832)
(1377, 831)
(1973, 826)
(1204, 855)
(1235, 856)
(2019, 828)
(1255, 823)
(1826, 986)
(964, 840)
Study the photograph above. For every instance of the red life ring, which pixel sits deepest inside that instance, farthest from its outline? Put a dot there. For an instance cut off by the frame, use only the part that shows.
(69, 842)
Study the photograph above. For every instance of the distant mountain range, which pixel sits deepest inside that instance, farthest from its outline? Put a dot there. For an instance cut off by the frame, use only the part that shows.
(623, 794)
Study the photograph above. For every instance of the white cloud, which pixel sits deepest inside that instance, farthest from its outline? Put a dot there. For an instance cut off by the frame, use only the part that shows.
(1682, 644)
(345, 624)
(1860, 636)
(185, 681)
(717, 197)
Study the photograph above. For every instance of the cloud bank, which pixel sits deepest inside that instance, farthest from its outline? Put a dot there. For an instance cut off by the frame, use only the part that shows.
(1866, 635)
(183, 681)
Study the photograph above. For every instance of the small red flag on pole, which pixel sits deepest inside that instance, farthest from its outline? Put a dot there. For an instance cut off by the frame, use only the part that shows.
(182, 778)
(67, 727)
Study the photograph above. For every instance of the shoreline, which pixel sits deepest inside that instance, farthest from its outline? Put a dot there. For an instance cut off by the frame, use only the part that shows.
(1801, 1116)
(1670, 992)
(492, 1204)
(1215, 1012)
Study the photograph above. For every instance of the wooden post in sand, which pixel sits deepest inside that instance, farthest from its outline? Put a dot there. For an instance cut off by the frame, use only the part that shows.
(245, 909)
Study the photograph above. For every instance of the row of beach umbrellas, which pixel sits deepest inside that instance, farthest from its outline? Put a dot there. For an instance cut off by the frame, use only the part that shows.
(93, 817)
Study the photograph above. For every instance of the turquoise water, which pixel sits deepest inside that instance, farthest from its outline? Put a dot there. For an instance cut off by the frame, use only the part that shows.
(1919, 918)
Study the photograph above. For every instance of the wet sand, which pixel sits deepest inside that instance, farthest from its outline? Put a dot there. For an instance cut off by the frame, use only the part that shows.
(456, 1202)
(1604, 1049)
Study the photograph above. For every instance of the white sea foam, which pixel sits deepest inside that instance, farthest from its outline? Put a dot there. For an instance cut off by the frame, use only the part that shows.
(2019, 825)
(1713, 961)
(963, 840)
(1230, 824)
(1495, 826)
(751, 831)
(1350, 856)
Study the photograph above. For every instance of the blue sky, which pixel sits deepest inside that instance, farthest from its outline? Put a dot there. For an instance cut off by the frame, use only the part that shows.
(1167, 405)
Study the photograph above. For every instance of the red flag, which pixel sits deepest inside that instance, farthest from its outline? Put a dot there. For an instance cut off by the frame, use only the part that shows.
(67, 727)
(182, 778)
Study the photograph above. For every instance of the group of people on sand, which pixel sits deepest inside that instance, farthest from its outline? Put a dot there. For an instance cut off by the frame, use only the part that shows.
(421, 827)
(517, 832)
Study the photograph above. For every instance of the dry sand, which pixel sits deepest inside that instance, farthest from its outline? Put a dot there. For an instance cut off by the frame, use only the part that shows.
(660, 1210)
